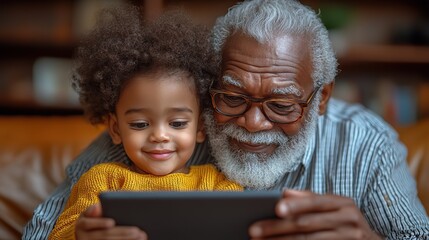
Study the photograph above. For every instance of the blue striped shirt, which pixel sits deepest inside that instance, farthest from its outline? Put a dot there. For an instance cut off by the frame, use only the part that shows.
(354, 153)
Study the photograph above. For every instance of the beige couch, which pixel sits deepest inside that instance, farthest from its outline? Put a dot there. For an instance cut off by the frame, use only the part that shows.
(33, 154)
(35, 150)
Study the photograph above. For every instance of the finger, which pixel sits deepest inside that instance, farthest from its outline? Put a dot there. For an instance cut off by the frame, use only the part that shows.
(119, 233)
(315, 222)
(304, 224)
(345, 222)
(299, 229)
(293, 206)
(93, 211)
(328, 235)
(87, 224)
(348, 222)
(272, 227)
(297, 193)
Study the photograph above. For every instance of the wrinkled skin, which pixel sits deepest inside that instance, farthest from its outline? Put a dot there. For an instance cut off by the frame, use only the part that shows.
(260, 68)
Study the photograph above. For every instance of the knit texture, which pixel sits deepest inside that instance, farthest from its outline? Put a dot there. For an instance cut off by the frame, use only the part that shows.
(118, 176)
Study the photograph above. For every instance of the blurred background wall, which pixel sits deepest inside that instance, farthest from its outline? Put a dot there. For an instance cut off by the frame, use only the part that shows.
(382, 46)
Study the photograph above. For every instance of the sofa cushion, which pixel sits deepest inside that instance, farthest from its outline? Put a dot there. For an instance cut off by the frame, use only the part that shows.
(33, 154)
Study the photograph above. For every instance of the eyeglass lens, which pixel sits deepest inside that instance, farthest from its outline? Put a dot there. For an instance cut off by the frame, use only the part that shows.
(275, 110)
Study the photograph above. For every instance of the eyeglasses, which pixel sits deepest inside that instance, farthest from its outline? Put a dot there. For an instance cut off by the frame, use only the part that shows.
(277, 110)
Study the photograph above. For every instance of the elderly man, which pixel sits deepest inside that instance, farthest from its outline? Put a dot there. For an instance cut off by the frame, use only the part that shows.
(274, 126)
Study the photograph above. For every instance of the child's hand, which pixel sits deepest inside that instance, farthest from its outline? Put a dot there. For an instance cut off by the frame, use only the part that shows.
(91, 225)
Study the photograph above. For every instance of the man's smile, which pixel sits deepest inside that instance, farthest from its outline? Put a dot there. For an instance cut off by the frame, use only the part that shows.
(253, 147)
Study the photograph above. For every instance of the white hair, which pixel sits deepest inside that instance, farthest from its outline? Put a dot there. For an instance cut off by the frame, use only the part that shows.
(265, 20)
(259, 170)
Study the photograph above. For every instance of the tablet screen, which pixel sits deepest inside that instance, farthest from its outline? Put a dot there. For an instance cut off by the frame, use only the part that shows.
(190, 215)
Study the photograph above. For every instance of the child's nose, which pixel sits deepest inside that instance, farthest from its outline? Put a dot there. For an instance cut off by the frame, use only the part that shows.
(159, 134)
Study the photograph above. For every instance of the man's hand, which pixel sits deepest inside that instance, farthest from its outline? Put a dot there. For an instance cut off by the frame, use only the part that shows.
(91, 225)
(306, 215)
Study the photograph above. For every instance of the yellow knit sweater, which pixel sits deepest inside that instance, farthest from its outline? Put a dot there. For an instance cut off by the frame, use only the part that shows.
(118, 176)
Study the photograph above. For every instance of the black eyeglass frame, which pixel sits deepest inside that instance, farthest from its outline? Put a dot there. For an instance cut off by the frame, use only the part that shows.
(303, 104)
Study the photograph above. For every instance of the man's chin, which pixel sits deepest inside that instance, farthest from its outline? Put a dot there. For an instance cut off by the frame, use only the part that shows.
(260, 169)
(253, 170)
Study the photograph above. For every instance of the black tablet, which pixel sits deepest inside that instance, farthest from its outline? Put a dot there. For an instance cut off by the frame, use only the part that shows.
(190, 215)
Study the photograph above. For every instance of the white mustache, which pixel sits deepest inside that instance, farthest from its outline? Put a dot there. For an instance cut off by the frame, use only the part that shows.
(266, 137)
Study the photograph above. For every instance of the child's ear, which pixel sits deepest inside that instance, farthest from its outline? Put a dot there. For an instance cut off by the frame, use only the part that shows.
(112, 125)
(201, 133)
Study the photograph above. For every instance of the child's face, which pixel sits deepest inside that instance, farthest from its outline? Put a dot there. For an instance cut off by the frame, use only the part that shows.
(157, 121)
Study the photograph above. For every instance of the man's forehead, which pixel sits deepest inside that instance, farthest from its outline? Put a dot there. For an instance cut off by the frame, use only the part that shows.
(286, 57)
(287, 87)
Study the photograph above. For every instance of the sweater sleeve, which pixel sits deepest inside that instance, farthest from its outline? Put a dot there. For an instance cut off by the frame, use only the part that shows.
(83, 194)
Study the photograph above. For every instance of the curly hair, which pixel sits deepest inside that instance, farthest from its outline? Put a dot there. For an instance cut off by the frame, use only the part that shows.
(122, 45)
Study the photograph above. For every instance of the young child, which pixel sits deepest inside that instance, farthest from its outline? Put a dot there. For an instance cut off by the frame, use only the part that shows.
(149, 83)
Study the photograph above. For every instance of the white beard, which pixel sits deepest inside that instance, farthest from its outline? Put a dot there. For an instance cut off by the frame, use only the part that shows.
(256, 170)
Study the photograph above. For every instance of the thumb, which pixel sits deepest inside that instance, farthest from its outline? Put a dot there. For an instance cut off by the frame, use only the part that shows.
(296, 193)
(93, 211)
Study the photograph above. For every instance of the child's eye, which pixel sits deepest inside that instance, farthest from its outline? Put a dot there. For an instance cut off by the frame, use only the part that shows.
(179, 124)
(138, 125)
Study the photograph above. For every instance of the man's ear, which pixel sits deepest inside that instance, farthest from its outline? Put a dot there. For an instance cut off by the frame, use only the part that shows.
(326, 95)
(112, 125)
(201, 133)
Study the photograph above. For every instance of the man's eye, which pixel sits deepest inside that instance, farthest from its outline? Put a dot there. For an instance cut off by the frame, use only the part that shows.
(233, 101)
(138, 125)
(179, 124)
(282, 108)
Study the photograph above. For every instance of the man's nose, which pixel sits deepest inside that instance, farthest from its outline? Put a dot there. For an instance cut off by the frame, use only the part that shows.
(254, 120)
